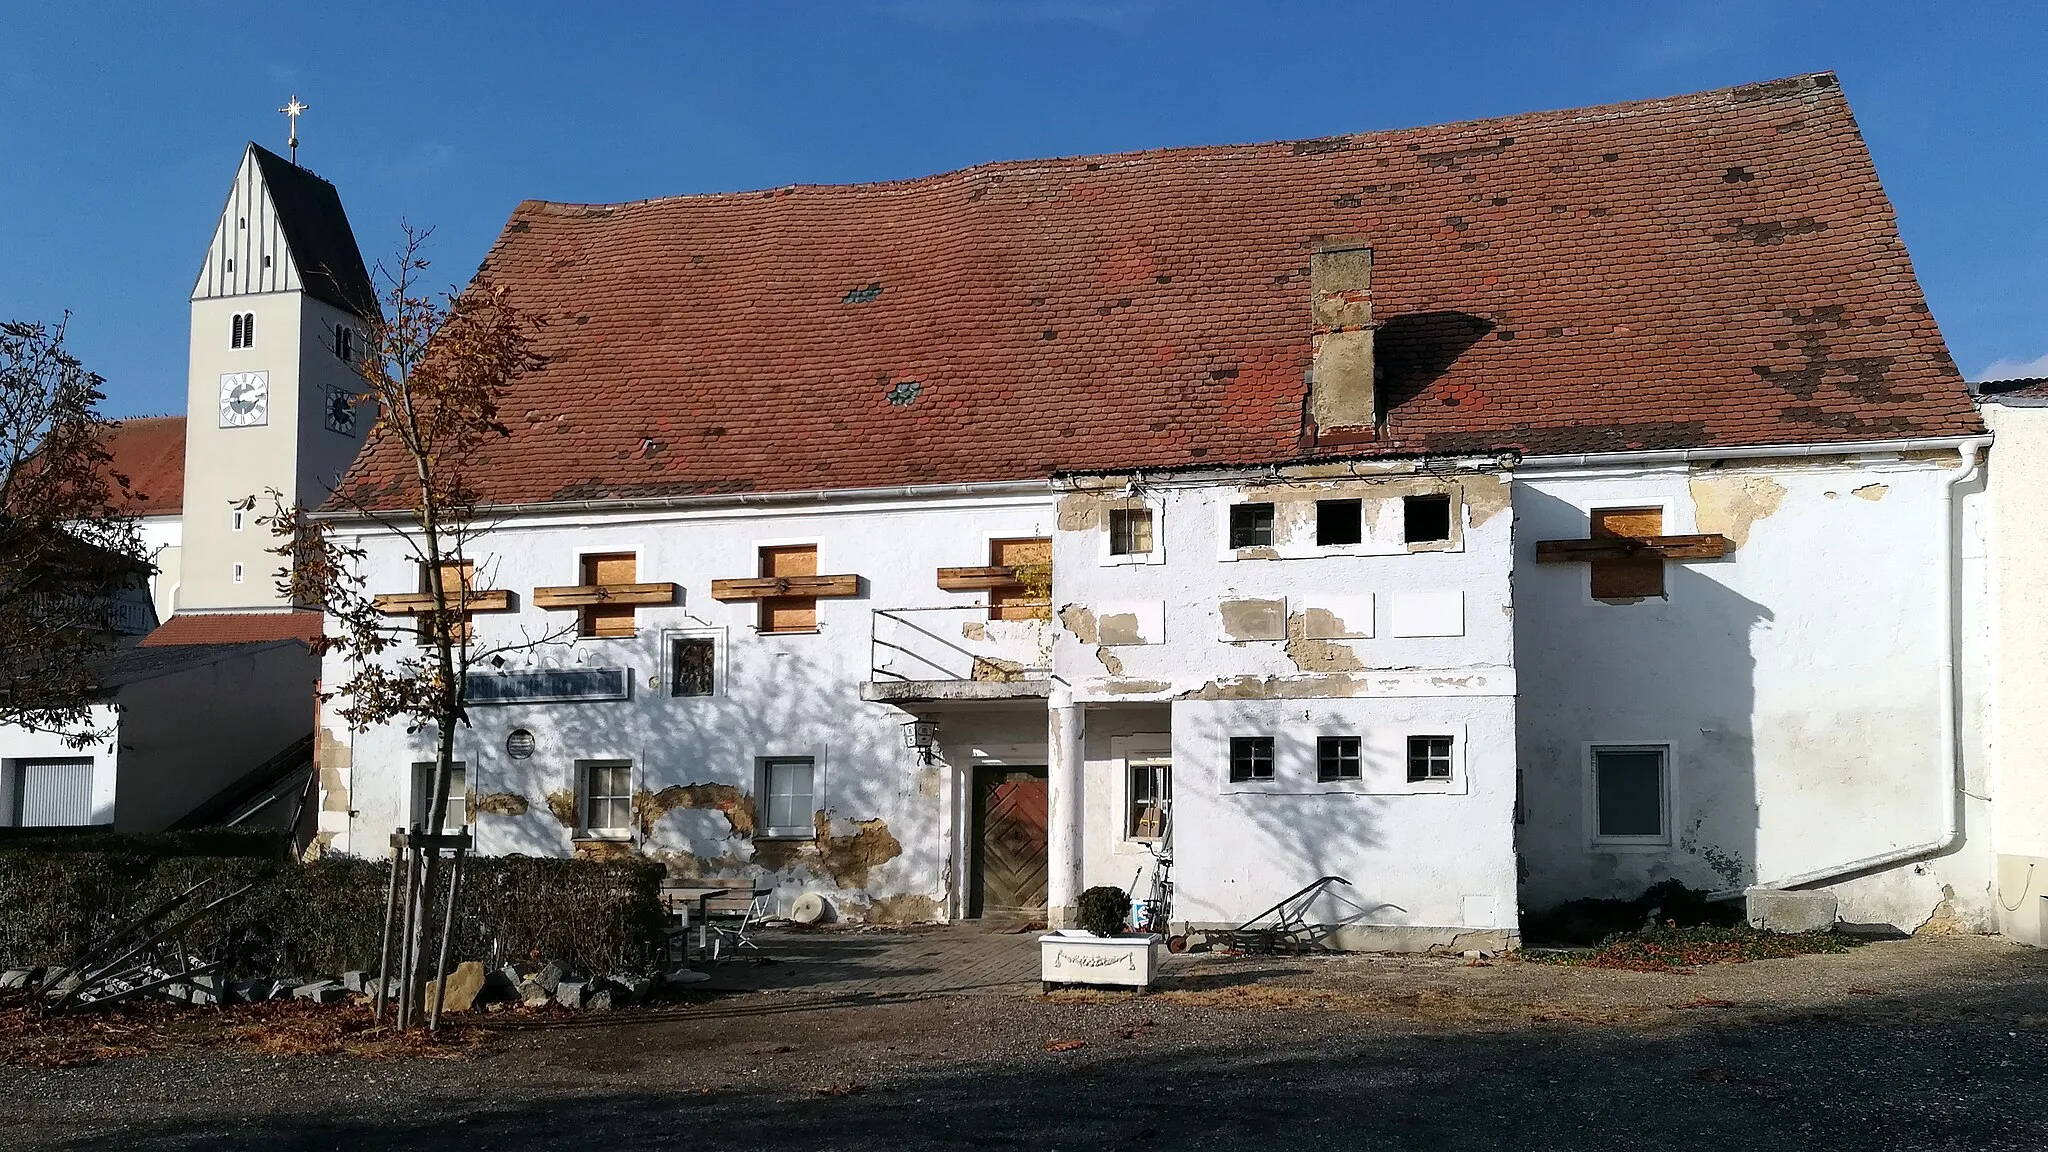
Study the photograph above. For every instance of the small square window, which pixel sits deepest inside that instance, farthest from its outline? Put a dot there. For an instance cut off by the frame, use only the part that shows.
(1251, 526)
(1630, 790)
(1426, 519)
(1429, 758)
(1336, 758)
(1130, 531)
(608, 797)
(790, 784)
(457, 812)
(1251, 758)
(1151, 791)
(693, 660)
(1340, 522)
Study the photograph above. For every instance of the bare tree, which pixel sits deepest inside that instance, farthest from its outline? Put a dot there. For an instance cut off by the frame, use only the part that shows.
(68, 553)
(435, 367)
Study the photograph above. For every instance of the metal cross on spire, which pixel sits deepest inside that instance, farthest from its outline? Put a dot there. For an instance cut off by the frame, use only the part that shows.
(293, 110)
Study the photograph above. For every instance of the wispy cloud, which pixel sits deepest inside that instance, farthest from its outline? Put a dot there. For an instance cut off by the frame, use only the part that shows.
(1112, 14)
(282, 74)
(2015, 369)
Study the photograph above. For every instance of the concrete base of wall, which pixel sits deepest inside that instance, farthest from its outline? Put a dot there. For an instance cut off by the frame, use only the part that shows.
(2023, 899)
(1409, 938)
(1772, 910)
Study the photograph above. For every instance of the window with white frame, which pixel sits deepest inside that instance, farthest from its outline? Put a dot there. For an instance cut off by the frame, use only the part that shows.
(1251, 525)
(1130, 531)
(1429, 759)
(457, 813)
(1632, 794)
(607, 797)
(1336, 758)
(791, 785)
(1151, 792)
(1251, 758)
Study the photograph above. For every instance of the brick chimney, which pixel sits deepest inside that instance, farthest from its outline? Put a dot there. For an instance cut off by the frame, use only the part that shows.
(1341, 392)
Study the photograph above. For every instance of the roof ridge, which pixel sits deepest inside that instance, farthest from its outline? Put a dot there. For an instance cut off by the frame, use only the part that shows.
(1781, 86)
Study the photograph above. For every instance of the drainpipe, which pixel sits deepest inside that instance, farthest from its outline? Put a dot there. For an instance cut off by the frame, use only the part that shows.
(1063, 808)
(1949, 781)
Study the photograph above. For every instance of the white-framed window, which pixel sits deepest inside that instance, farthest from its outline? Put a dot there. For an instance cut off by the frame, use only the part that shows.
(790, 785)
(1631, 793)
(1130, 531)
(1150, 785)
(1251, 525)
(1251, 758)
(607, 794)
(457, 814)
(52, 792)
(1429, 759)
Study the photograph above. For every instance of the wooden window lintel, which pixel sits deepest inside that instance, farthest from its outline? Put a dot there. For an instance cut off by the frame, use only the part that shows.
(418, 603)
(987, 578)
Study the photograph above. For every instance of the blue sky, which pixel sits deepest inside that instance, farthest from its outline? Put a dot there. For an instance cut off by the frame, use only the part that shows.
(120, 125)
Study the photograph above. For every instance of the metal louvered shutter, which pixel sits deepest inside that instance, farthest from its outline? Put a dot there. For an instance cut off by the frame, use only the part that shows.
(54, 793)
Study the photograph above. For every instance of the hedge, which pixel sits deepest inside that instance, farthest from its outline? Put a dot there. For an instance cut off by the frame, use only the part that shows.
(324, 917)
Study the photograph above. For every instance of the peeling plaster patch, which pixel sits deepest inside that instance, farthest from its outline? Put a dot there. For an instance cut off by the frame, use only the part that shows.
(909, 908)
(736, 806)
(1485, 497)
(1136, 687)
(1730, 505)
(1279, 688)
(690, 866)
(846, 860)
(995, 670)
(1111, 663)
(928, 780)
(604, 850)
(334, 757)
(1120, 628)
(563, 805)
(1944, 920)
(976, 630)
(1260, 553)
(1080, 621)
(1084, 511)
(1871, 492)
(1254, 619)
(1323, 624)
(1311, 655)
(500, 804)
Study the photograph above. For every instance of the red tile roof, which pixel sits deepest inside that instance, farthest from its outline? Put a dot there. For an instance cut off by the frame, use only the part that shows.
(2023, 388)
(150, 452)
(1713, 269)
(235, 628)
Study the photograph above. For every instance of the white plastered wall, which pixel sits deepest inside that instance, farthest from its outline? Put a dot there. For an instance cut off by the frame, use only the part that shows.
(1795, 682)
(2018, 515)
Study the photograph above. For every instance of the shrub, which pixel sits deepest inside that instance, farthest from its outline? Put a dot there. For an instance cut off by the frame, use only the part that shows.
(1104, 911)
(324, 917)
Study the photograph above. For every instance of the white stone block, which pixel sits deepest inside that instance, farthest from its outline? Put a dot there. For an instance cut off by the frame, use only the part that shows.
(1772, 910)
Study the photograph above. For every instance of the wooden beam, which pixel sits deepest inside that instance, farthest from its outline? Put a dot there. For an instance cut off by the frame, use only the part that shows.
(979, 579)
(416, 603)
(771, 587)
(593, 595)
(1709, 546)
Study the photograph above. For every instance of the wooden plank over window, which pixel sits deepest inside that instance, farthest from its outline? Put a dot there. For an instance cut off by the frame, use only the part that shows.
(611, 618)
(589, 595)
(1030, 558)
(1708, 546)
(789, 613)
(1630, 577)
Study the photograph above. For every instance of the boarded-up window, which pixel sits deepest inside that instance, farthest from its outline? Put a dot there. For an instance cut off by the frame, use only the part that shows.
(1636, 576)
(789, 613)
(1032, 560)
(457, 581)
(608, 619)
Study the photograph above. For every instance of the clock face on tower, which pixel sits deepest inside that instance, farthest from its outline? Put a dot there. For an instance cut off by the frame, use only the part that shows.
(341, 412)
(244, 399)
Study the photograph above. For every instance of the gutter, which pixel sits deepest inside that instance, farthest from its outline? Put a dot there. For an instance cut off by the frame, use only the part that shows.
(727, 500)
(1752, 452)
(1949, 776)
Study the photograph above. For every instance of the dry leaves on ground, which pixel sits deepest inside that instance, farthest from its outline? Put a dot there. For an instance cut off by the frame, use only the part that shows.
(281, 1028)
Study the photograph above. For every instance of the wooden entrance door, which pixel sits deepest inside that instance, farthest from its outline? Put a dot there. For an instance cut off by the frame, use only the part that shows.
(1009, 864)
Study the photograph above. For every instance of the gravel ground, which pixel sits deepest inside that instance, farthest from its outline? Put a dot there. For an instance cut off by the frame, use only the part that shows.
(1936, 1043)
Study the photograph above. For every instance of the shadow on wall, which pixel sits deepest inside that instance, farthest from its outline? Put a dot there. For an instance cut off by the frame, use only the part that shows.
(869, 840)
(1675, 674)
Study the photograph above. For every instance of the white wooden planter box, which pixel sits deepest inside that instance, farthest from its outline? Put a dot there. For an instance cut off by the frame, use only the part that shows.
(1075, 956)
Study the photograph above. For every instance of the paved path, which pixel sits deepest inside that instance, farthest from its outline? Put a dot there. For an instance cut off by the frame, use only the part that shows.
(955, 958)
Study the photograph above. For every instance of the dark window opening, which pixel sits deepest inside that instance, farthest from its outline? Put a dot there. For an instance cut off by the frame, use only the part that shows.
(1336, 758)
(1426, 519)
(1130, 531)
(1629, 784)
(1340, 522)
(1251, 758)
(344, 343)
(1251, 526)
(1429, 758)
(694, 659)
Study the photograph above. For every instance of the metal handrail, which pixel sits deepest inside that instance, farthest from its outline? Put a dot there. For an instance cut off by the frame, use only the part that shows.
(875, 642)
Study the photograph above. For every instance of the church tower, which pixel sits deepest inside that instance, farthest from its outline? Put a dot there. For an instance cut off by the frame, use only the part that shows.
(280, 313)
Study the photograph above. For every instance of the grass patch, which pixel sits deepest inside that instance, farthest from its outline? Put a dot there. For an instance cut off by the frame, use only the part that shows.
(1671, 948)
